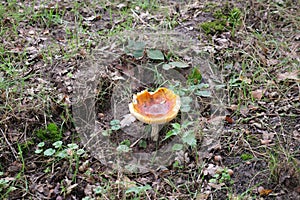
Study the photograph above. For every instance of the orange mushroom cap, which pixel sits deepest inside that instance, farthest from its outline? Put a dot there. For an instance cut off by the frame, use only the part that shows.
(156, 107)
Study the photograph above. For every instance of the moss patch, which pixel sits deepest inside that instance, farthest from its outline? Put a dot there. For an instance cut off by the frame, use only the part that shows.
(225, 20)
(50, 133)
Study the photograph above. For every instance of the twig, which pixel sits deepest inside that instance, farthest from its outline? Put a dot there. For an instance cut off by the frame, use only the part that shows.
(137, 16)
(10, 146)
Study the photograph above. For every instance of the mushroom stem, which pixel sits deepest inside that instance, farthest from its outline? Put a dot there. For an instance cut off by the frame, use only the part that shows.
(154, 132)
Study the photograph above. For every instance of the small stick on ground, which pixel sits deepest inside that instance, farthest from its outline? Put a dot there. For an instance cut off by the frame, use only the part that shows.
(10, 146)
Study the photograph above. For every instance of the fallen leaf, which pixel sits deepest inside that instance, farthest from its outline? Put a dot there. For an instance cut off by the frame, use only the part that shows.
(264, 192)
(126, 182)
(202, 196)
(127, 120)
(216, 186)
(265, 141)
(294, 75)
(229, 120)
(245, 79)
(257, 94)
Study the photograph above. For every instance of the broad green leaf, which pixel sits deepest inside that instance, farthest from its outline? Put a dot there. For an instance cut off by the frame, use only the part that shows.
(57, 144)
(189, 138)
(135, 49)
(185, 104)
(138, 189)
(41, 144)
(132, 189)
(167, 66)
(176, 126)
(179, 64)
(80, 152)
(73, 146)
(203, 93)
(177, 147)
(49, 152)
(185, 108)
(143, 144)
(114, 122)
(107, 132)
(115, 127)
(38, 151)
(155, 54)
(62, 154)
(123, 148)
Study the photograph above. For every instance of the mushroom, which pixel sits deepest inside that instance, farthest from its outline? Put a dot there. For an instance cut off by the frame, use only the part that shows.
(155, 108)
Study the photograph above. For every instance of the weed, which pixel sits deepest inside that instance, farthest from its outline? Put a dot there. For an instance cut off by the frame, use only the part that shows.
(246, 156)
(188, 136)
(222, 176)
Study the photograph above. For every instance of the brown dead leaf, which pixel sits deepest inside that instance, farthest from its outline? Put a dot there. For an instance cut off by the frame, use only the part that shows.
(245, 79)
(126, 182)
(216, 186)
(229, 120)
(294, 75)
(264, 192)
(257, 94)
(263, 142)
(202, 196)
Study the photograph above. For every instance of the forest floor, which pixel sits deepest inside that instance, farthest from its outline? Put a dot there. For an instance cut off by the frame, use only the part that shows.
(254, 46)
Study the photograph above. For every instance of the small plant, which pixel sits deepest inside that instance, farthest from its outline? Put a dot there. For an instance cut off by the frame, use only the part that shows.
(246, 156)
(59, 150)
(143, 144)
(222, 176)
(188, 136)
(138, 190)
(114, 126)
(50, 133)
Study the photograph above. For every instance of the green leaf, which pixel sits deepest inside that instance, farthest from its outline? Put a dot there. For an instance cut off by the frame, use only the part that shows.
(185, 108)
(177, 147)
(185, 104)
(38, 151)
(114, 122)
(62, 154)
(115, 127)
(123, 148)
(195, 76)
(167, 66)
(57, 144)
(132, 189)
(49, 152)
(171, 133)
(179, 64)
(138, 189)
(135, 49)
(126, 142)
(107, 132)
(80, 152)
(143, 144)
(189, 138)
(73, 146)
(99, 190)
(155, 54)
(203, 93)
(41, 144)
(176, 126)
